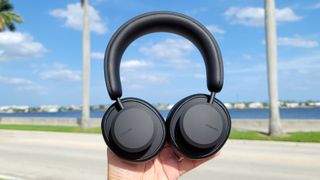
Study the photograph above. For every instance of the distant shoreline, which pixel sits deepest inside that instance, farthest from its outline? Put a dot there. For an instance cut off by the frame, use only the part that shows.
(102, 108)
(247, 113)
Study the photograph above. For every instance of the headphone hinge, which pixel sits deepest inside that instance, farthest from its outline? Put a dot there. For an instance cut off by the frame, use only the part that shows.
(212, 97)
(119, 103)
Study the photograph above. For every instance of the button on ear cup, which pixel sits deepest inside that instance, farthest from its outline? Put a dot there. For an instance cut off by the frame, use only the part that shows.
(196, 128)
(135, 133)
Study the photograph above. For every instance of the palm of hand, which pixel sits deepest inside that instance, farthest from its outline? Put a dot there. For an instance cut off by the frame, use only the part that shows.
(165, 166)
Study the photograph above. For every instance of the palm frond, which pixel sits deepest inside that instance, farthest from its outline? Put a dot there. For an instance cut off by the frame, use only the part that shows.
(2, 24)
(11, 27)
(6, 7)
(7, 18)
(14, 17)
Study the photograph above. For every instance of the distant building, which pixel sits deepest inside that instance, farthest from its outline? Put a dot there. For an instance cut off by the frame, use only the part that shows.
(292, 104)
(21, 108)
(313, 104)
(5, 109)
(255, 105)
(49, 108)
(239, 105)
(12, 109)
(228, 105)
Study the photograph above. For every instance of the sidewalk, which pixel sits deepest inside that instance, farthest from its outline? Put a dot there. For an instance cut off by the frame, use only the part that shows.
(47, 155)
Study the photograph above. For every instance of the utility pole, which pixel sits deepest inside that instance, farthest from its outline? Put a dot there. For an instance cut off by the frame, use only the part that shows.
(275, 128)
(86, 66)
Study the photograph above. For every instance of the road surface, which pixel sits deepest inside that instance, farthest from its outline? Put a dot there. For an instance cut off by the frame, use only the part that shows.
(48, 156)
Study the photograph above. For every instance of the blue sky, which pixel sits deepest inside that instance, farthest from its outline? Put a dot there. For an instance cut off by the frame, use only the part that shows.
(41, 62)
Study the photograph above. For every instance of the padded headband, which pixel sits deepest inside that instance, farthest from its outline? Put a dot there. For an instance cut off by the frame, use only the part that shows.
(162, 22)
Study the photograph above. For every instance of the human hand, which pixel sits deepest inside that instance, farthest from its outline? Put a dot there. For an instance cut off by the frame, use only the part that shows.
(166, 165)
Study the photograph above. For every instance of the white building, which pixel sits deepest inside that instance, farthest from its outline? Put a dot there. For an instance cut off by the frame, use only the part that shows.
(239, 105)
(255, 105)
(49, 108)
(14, 108)
(292, 104)
(228, 105)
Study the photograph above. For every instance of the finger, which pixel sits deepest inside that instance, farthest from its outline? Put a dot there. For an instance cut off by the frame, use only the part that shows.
(179, 156)
(169, 163)
(188, 164)
(167, 154)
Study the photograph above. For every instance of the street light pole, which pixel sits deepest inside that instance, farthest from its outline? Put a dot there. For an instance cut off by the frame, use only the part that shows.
(275, 128)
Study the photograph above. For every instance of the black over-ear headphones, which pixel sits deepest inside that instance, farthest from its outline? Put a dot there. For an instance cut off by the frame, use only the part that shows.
(197, 126)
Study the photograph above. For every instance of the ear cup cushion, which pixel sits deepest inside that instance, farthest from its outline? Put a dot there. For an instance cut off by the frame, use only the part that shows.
(174, 135)
(156, 144)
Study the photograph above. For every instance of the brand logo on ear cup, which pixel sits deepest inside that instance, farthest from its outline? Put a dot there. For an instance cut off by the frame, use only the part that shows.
(211, 127)
(125, 132)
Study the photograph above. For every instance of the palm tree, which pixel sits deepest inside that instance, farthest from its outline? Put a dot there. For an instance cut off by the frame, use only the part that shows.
(7, 17)
(86, 66)
(275, 128)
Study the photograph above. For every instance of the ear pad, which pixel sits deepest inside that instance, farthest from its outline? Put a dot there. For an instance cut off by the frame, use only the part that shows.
(135, 133)
(196, 128)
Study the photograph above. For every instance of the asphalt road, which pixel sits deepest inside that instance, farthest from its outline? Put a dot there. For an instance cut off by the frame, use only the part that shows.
(46, 156)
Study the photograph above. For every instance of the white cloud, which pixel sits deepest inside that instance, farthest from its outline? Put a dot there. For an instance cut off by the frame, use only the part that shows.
(199, 76)
(247, 56)
(137, 74)
(173, 51)
(135, 64)
(152, 78)
(23, 84)
(214, 29)
(16, 81)
(19, 46)
(308, 63)
(65, 74)
(134, 80)
(297, 42)
(59, 66)
(97, 55)
(73, 18)
(254, 16)
(60, 72)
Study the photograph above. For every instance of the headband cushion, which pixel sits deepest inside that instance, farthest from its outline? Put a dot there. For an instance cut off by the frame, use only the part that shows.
(162, 22)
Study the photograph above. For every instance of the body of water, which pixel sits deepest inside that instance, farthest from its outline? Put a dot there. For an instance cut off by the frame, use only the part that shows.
(294, 113)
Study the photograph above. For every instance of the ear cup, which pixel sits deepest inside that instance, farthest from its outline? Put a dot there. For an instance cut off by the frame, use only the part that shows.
(135, 133)
(196, 128)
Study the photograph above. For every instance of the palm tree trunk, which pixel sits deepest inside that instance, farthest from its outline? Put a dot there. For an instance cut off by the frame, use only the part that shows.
(275, 128)
(86, 66)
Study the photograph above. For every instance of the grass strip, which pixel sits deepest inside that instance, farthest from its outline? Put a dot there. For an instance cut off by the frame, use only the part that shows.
(72, 129)
(235, 134)
(292, 136)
